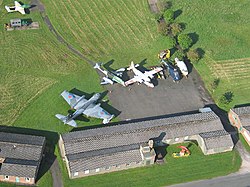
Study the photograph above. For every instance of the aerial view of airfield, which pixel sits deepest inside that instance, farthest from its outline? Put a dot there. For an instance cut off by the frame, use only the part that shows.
(133, 93)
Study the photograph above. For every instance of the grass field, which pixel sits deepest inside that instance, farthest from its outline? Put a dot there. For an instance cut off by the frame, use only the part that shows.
(35, 68)
(221, 28)
(106, 30)
(175, 170)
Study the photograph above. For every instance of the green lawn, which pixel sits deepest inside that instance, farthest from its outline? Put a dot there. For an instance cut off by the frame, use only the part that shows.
(175, 170)
(222, 31)
(35, 68)
(106, 30)
(245, 144)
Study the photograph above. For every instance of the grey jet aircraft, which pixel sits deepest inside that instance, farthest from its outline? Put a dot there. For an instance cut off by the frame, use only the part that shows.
(83, 106)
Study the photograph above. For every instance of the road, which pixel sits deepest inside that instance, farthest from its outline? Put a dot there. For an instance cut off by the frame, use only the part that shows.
(232, 180)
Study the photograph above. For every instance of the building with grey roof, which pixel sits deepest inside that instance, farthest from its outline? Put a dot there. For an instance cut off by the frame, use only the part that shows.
(118, 147)
(20, 157)
(240, 118)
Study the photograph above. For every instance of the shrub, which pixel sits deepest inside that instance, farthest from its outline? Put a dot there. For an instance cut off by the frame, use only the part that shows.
(193, 55)
(168, 15)
(158, 17)
(185, 41)
(163, 5)
(178, 54)
(162, 27)
(215, 83)
(175, 29)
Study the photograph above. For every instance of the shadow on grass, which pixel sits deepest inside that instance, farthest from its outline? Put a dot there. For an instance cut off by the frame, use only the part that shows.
(48, 153)
(177, 13)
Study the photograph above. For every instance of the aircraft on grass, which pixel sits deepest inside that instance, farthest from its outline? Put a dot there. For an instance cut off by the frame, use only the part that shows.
(17, 7)
(83, 106)
(111, 76)
(172, 71)
(142, 77)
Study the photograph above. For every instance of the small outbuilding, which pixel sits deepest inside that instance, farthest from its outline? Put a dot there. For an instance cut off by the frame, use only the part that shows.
(240, 118)
(20, 157)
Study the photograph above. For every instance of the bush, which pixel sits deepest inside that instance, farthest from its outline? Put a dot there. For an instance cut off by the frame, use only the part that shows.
(158, 17)
(178, 54)
(175, 29)
(215, 83)
(168, 15)
(162, 27)
(163, 5)
(193, 55)
(185, 41)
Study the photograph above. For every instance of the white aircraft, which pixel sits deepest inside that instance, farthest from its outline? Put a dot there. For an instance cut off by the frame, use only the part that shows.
(142, 77)
(182, 66)
(17, 7)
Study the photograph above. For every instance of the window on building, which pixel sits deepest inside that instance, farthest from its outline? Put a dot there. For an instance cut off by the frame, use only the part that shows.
(27, 179)
(75, 174)
(86, 172)
(108, 168)
(6, 177)
(97, 169)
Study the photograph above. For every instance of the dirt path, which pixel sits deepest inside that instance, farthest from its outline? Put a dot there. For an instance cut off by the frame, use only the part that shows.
(153, 6)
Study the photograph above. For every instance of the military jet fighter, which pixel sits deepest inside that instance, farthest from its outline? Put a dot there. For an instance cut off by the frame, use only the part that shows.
(142, 77)
(111, 76)
(17, 7)
(172, 71)
(83, 106)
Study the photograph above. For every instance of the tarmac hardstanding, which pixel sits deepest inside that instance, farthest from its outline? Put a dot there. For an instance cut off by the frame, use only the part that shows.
(167, 97)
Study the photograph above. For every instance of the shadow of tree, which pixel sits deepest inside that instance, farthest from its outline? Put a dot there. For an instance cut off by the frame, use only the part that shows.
(177, 13)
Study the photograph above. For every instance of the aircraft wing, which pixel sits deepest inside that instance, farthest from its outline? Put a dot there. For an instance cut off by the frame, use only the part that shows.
(97, 111)
(21, 10)
(133, 80)
(154, 71)
(17, 4)
(71, 98)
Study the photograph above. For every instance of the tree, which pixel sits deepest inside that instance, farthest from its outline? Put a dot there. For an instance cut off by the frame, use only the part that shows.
(169, 15)
(227, 97)
(185, 41)
(215, 83)
(193, 55)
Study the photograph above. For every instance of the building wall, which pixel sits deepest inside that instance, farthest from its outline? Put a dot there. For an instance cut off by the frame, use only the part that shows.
(105, 170)
(61, 146)
(13, 179)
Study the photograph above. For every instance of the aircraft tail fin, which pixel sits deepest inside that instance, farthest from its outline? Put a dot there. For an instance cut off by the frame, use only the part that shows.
(17, 4)
(65, 120)
(97, 66)
(105, 121)
(132, 66)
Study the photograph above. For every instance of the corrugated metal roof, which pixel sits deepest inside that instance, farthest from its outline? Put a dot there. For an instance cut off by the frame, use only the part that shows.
(104, 161)
(242, 110)
(18, 170)
(100, 152)
(21, 138)
(139, 125)
(22, 154)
